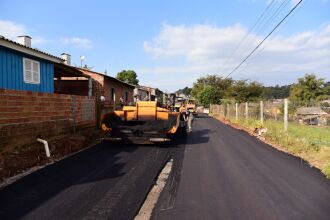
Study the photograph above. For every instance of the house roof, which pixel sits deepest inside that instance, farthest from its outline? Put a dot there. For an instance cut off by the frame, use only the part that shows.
(310, 111)
(63, 70)
(146, 88)
(5, 42)
(109, 77)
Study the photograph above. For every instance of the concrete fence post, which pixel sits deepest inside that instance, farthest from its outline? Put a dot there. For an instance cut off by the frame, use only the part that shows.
(261, 112)
(246, 111)
(236, 107)
(285, 114)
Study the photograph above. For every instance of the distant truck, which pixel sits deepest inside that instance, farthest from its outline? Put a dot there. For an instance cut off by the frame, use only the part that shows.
(179, 101)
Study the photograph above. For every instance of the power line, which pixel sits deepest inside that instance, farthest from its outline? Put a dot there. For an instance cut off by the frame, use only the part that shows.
(250, 54)
(248, 62)
(276, 13)
(249, 32)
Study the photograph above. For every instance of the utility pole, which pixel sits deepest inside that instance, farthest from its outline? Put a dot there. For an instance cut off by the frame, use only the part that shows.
(81, 61)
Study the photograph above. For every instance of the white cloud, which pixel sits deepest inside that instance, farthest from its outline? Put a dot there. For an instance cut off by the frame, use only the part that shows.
(205, 49)
(11, 29)
(78, 42)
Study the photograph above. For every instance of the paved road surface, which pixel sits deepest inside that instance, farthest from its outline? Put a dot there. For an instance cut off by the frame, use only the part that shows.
(102, 182)
(227, 174)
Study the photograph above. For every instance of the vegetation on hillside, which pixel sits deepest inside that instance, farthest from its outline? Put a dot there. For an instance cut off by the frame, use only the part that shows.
(309, 89)
(276, 92)
(216, 90)
(185, 91)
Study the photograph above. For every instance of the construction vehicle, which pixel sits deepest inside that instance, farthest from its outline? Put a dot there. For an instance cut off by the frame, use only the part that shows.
(144, 123)
(179, 101)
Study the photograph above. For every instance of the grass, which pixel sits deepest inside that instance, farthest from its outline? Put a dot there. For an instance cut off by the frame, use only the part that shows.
(311, 143)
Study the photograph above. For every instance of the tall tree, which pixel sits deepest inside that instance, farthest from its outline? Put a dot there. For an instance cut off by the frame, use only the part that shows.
(243, 91)
(309, 89)
(128, 76)
(208, 96)
(276, 92)
(186, 91)
(221, 87)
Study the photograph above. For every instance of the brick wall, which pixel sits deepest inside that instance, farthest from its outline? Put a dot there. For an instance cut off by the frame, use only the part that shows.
(120, 90)
(25, 114)
(102, 86)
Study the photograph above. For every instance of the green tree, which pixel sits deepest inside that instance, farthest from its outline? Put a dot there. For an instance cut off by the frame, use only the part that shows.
(221, 87)
(208, 96)
(186, 91)
(87, 67)
(308, 90)
(128, 76)
(276, 92)
(327, 87)
(243, 91)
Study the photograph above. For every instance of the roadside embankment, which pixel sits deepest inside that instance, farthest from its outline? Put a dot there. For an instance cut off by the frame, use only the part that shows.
(20, 159)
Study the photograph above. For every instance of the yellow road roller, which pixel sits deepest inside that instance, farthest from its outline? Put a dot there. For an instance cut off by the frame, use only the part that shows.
(144, 123)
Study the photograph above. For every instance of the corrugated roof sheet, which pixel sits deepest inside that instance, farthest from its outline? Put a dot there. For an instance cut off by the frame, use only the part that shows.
(30, 48)
(110, 77)
(310, 111)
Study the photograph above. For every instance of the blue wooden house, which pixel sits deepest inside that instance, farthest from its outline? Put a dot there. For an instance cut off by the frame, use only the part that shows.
(25, 68)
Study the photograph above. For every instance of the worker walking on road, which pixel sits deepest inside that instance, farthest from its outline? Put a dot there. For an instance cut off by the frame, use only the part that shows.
(190, 120)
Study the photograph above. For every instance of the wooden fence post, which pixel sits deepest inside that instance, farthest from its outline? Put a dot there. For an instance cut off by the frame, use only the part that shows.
(236, 105)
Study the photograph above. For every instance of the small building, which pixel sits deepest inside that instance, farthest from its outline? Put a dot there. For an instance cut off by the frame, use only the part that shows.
(141, 93)
(312, 116)
(25, 68)
(110, 88)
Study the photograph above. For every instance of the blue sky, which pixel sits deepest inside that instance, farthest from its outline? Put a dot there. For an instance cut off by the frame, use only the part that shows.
(172, 43)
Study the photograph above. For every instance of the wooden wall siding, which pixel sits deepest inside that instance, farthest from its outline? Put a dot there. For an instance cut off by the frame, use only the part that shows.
(11, 72)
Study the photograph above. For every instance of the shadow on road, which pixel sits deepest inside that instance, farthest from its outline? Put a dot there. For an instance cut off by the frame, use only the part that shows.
(94, 164)
(198, 137)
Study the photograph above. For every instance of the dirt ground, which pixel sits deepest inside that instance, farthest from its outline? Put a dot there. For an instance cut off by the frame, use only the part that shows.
(26, 157)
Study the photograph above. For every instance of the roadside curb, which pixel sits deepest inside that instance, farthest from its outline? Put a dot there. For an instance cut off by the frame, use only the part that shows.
(153, 196)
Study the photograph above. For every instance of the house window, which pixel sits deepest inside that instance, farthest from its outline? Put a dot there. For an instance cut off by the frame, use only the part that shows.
(126, 96)
(31, 71)
(113, 95)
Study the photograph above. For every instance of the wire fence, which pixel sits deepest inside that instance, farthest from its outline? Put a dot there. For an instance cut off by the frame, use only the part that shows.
(279, 110)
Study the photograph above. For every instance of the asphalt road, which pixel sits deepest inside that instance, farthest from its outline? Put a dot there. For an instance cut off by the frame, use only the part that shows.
(102, 182)
(227, 174)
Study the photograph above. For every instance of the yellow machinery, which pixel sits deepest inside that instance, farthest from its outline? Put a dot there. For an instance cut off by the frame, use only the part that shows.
(141, 124)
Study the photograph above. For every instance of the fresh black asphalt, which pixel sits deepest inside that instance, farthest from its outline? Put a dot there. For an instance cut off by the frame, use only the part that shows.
(218, 173)
(227, 174)
(107, 181)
